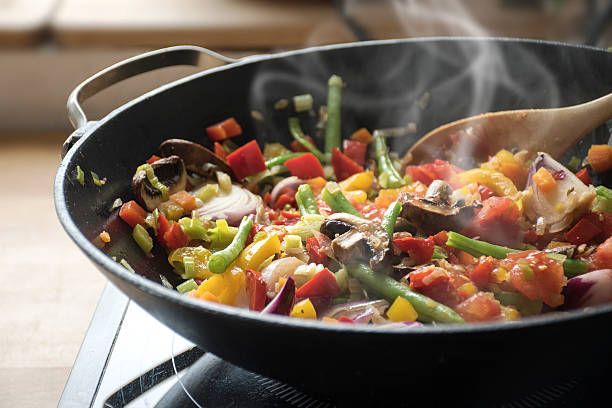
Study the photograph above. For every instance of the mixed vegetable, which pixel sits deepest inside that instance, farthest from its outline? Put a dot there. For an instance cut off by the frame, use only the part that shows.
(356, 234)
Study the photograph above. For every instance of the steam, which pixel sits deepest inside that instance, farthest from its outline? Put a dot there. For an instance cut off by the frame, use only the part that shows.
(462, 78)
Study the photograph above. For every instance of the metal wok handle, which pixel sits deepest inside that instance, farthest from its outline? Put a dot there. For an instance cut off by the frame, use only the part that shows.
(165, 57)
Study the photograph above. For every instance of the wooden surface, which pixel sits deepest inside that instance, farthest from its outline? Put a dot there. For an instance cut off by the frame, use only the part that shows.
(213, 23)
(49, 289)
(23, 22)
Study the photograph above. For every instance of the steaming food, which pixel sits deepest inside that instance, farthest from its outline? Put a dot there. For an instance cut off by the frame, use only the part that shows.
(353, 235)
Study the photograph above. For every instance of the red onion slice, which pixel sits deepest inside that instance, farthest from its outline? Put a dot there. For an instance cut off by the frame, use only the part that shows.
(361, 311)
(590, 289)
(283, 301)
(290, 182)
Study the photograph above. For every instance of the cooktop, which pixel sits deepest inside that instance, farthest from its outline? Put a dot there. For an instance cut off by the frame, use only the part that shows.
(129, 359)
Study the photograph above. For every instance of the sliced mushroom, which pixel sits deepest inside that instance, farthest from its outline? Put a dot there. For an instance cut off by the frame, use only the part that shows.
(357, 239)
(170, 171)
(196, 157)
(435, 212)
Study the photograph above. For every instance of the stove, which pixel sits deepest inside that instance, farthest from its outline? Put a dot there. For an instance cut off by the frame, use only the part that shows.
(129, 359)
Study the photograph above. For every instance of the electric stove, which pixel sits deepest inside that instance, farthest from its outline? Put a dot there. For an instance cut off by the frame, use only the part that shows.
(129, 359)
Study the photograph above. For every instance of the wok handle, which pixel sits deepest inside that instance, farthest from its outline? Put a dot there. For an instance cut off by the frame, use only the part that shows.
(165, 57)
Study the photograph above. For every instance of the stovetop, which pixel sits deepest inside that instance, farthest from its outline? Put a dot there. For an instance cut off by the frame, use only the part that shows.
(130, 359)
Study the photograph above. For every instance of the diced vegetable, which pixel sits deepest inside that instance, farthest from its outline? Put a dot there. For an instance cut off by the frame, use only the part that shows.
(582, 232)
(132, 213)
(497, 182)
(80, 175)
(256, 287)
(142, 238)
(362, 135)
(187, 286)
(305, 200)
(185, 200)
(220, 151)
(583, 175)
(600, 157)
(420, 249)
(305, 166)
(302, 103)
(175, 237)
(279, 160)
(360, 181)
(544, 180)
(333, 196)
(304, 310)
(390, 217)
(219, 261)
(388, 177)
(322, 284)
(246, 160)
(481, 274)
(591, 289)
(355, 150)
(402, 311)
(224, 130)
(153, 159)
(282, 303)
(603, 201)
(254, 255)
(343, 166)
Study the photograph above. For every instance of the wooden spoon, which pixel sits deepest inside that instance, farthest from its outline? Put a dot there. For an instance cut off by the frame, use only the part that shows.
(552, 131)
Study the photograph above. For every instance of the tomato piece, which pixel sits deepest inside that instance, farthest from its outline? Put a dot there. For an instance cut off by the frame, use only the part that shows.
(224, 130)
(315, 252)
(355, 150)
(220, 151)
(582, 232)
(438, 170)
(485, 192)
(283, 200)
(344, 166)
(435, 283)
(420, 249)
(175, 237)
(323, 283)
(305, 167)
(602, 257)
(584, 176)
(247, 160)
(481, 274)
(536, 276)
(497, 221)
(480, 307)
(185, 200)
(132, 213)
(421, 173)
(153, 159)
(163, 226)
(256, 287)
(604, 222)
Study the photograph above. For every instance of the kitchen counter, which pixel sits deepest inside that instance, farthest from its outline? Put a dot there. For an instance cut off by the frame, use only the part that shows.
(50, 289)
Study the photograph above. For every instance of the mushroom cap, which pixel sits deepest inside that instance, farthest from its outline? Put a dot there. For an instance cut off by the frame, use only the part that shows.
(170, 171)
(196, 157)
(357, 239)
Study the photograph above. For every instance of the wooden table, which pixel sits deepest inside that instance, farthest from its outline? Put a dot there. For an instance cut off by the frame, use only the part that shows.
(49, 289)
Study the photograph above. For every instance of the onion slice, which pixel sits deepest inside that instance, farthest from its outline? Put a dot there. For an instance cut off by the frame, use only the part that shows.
(590, 289)
(232, 206)
(360, 311)
(283, 301)
(289, 182)
(558, 208)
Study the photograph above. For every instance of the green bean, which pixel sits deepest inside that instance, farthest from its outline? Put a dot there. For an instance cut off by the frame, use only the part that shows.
(306, 200)
(277, 161)
(296, 132)
(571, 267)
(332, 126)
(388, 177)
(219, 261)
(387, 287)
(333, 196)
(390, 216)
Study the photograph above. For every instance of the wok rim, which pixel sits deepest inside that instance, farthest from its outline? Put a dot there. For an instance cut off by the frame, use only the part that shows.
(141, 283)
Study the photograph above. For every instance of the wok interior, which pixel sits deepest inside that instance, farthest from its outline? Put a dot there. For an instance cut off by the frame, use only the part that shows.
(384, 84)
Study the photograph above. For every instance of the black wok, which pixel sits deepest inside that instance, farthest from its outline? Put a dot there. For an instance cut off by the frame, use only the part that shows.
(386, 81)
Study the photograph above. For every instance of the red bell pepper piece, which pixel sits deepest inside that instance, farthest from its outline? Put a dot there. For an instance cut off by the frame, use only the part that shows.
(584, 176)
(153, 159)
(224, 130)
(315, 252)
(163, 226)
(344, 166)
(247, 160)
(604, 222)
(323, 283)
(132, 213)
(345, 319)
(256, 287)
(438, 170)
(421, 173)
(419, 248)
(355, 150)
(220, 151)
(305, 167)
(175, 237)
(481, 274)
(582, 232)
(284, 199)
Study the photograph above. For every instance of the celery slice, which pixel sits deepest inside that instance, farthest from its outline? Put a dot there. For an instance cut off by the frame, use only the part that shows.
(80, 177)
(187, 286)
(142, 238)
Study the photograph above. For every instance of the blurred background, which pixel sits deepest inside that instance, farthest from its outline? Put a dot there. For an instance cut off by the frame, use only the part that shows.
(47, 47)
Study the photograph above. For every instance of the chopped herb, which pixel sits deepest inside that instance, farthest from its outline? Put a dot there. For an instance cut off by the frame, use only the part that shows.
(97, 180)
(80, 176)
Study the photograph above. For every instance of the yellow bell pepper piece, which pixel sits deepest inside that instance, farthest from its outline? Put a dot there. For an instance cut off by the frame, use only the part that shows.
(304, 310)
(402, 311)
(225, 286)
(317, 185)
(497, 182)
(356, 196)
(253, 255)
(507, 163)
(387, 196)
(359, 181)
(200, 256)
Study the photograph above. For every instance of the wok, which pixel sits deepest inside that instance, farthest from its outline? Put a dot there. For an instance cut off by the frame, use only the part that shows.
(386, 81)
